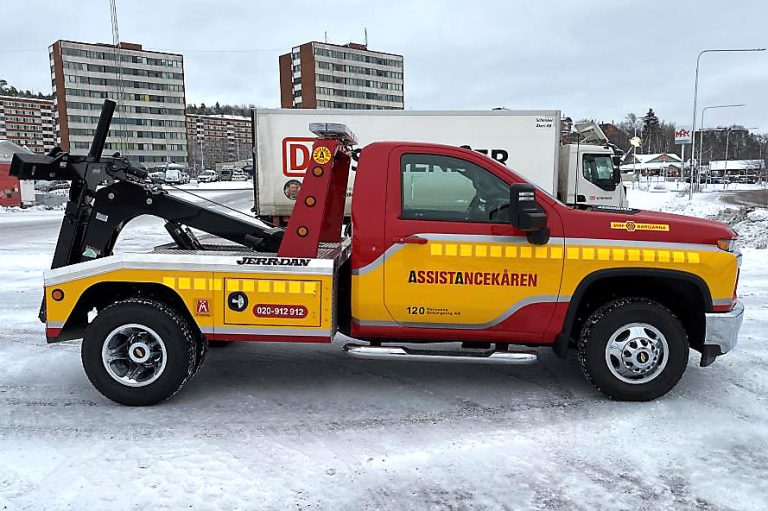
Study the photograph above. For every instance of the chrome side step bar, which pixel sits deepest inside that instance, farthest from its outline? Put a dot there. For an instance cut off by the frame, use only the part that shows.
(477, 357)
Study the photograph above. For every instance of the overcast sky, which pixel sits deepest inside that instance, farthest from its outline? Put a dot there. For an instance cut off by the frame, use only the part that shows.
(589, 59)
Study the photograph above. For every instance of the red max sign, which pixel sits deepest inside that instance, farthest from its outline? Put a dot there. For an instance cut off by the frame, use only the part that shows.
(296, 155)
(683, 135)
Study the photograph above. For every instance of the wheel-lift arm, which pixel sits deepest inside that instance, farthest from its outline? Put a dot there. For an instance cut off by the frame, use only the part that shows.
(117, 204)
(94, 216)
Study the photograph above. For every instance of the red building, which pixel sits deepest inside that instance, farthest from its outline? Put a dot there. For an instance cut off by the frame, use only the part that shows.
(11, 190)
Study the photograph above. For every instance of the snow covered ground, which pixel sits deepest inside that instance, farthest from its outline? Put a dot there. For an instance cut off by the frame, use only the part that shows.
(304, 427)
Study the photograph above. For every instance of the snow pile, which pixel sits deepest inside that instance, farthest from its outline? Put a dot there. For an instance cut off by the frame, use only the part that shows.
(702, 205)
(751, 223)
(758, 215)
(753, 228)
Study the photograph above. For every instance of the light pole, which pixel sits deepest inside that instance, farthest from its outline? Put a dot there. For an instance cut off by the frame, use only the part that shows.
(727, 135)
(701, 142)
(635, 143)
(202, 157)
(696, 97)
(702, 130)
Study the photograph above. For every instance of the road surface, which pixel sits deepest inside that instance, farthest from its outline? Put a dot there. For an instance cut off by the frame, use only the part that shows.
(754, 198)
(274, 426)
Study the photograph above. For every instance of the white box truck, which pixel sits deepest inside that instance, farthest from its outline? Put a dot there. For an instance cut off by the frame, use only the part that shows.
(526, 141)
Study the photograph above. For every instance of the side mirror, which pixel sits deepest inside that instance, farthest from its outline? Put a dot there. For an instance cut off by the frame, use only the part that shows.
(616, 175)
(526, 214)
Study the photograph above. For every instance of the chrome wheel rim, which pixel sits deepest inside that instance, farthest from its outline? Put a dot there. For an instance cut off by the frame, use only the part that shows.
(134, 355)
(637, 353)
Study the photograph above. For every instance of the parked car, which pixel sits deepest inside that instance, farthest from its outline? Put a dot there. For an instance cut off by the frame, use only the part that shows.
(748, 179)
(226, 174)
(173, 176)
(207, 176)
(158, 177)
(239, 175)
(184, 178)
(49, 186)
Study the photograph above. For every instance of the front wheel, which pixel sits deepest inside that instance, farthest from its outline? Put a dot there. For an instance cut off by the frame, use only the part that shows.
(633, 349)
(139, 352)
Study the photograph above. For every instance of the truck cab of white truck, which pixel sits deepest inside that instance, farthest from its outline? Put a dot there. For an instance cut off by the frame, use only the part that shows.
(588, 174)
(588, 170)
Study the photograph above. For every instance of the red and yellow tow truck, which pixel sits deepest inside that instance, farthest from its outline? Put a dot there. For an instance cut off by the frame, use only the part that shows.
(446, 245)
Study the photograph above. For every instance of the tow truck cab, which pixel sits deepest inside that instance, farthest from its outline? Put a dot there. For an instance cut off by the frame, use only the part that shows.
(438, 253)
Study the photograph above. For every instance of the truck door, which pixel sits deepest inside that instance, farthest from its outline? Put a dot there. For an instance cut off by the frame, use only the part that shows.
(457, 269)
(597, 182)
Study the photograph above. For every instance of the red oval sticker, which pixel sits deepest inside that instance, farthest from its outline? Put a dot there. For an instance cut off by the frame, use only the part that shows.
(271, 310)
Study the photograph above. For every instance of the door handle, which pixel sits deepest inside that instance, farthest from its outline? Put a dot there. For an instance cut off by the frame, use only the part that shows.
(409, 239)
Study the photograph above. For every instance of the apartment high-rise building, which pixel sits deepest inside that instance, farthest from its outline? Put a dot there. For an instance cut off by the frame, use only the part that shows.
(218, 138)
(149, 124)
(350, 76)
(27, 122)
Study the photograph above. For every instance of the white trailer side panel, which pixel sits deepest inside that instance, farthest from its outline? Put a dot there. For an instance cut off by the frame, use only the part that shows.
(525, 141)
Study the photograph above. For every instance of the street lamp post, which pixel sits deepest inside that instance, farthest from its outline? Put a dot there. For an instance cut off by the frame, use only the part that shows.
(701, 141)
(702, 130)
(727, 135)
(696, 97)
(634, 158)
(202, 156)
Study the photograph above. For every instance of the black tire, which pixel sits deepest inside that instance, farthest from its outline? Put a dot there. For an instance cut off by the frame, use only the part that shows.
(219, 344)
(610, 318)
(183, 351)
(202, 350)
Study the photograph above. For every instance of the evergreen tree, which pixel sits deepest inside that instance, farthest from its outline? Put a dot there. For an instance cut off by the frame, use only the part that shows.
(7, 90)
(651, 132)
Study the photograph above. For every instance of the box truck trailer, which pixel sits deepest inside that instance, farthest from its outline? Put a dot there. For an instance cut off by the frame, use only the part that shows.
(525, 141)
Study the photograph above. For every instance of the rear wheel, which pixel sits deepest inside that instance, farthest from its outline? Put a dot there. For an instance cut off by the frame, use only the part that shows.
(202, 350)
(633, 349)
(139, 352)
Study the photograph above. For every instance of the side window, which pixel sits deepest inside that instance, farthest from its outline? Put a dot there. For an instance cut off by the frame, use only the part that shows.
(598, 169)
(436, 187)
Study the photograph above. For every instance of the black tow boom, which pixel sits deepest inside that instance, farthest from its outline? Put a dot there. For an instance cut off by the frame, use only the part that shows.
(95, 214)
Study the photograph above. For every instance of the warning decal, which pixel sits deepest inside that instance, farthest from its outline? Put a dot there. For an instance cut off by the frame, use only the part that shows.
(201, 308)
(321, 155)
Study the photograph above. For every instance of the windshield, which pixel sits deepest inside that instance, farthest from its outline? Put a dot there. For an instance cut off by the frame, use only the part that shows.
(598, 169)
